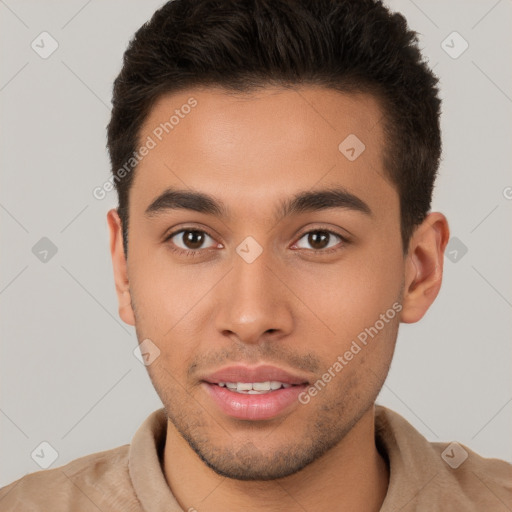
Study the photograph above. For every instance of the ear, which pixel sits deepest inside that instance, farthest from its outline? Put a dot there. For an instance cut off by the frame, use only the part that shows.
(424, 266)
(120, 267)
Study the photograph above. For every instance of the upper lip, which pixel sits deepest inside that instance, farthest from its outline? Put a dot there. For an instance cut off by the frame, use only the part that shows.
(262, 373)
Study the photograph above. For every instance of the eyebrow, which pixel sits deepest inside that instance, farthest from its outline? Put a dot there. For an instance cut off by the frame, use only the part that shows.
(301, 202)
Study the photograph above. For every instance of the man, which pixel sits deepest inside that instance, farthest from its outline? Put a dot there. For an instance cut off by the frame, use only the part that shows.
(274, 162)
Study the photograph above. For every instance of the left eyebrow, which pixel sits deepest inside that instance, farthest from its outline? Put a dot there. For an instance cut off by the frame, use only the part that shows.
(316, 200)
(301, 202)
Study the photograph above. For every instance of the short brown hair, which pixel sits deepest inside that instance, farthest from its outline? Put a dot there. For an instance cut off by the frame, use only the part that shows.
(240, 45)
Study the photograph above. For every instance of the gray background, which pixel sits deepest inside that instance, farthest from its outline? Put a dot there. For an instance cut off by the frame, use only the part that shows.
(68, 373)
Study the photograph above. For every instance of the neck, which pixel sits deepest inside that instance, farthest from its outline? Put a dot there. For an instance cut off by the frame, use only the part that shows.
(352, 476)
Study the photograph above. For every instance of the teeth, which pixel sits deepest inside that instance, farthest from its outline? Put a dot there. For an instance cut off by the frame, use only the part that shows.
(261, 386)
(254, 388)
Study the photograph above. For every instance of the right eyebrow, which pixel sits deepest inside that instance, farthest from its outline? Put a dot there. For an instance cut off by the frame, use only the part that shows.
(173, 199)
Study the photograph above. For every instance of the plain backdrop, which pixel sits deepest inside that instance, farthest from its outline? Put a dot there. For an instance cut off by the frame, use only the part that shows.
(68, 373)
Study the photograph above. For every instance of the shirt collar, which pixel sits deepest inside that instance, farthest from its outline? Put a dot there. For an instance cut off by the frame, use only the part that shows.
(412, 462)
(145, 465)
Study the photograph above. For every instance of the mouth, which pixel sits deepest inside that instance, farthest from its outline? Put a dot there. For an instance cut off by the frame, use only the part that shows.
(254, 392)
(240, 400)
(259, 393)
(255, 388)
(256, 378)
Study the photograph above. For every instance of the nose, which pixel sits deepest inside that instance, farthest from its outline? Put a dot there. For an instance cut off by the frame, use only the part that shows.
(254, 303)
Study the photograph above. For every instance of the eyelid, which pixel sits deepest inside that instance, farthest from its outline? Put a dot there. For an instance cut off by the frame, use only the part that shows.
(178, 228)
(342, 233)
(344, 239)
(175, 232)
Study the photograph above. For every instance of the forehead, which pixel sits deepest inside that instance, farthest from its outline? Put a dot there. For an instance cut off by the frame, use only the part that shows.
(262, 144)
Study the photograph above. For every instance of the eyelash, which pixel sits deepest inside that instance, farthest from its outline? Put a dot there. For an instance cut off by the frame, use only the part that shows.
(192, 254)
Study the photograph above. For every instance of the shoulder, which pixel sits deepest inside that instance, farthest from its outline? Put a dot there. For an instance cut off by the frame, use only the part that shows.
(427, 475)
(482, 480)
(99, 481)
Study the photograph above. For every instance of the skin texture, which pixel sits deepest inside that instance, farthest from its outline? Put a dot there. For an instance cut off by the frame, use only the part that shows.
(295, 306)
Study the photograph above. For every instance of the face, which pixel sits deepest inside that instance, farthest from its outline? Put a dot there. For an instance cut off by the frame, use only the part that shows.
(251, 278)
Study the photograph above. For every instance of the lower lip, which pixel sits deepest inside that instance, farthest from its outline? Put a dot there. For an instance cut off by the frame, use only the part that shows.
(254, 407)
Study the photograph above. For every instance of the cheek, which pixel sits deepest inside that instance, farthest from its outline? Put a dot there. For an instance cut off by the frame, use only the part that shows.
(169, 302)
(350, 296)
(165, 294)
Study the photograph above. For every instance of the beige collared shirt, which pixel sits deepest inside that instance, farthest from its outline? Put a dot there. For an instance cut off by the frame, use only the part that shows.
(424, 476)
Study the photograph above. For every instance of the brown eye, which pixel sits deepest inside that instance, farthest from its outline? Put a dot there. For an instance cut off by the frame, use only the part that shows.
(193, 239)
(189, 239)
(320, 239)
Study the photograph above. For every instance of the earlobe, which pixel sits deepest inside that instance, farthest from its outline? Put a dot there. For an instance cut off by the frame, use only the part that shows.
(424, 266)
(120, 267)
